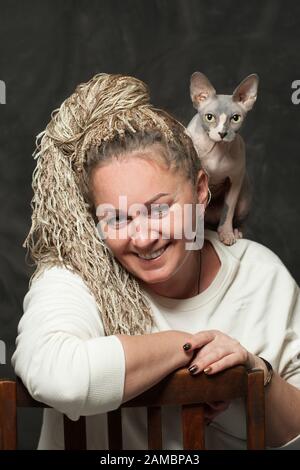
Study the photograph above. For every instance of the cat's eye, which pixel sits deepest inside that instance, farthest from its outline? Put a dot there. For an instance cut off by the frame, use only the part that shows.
(210, 117)
(236, 118)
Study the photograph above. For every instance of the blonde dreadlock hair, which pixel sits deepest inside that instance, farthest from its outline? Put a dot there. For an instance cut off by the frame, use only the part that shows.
(97, 119)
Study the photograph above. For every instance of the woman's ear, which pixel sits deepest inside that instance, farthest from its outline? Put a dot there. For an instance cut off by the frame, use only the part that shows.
(202, 187)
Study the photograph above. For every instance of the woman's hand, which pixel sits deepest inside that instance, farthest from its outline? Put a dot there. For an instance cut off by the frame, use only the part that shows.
(217, 351)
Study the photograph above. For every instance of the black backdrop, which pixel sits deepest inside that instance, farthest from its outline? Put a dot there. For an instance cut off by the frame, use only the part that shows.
(47, 47)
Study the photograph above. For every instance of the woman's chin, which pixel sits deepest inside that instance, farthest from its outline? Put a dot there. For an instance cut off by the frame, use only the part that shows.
(153, 278)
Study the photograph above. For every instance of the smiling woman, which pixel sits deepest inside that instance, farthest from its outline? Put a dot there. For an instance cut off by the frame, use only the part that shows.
(151, 247)
(126, 291)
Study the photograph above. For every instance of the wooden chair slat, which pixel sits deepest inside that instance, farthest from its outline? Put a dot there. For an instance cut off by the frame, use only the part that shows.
(154, 428)
(114, 428)
(255, 410)
(8, 415)
(193, 427)
(75, 433)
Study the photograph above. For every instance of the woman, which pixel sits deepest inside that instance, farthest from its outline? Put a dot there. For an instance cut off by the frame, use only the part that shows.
(125, 293)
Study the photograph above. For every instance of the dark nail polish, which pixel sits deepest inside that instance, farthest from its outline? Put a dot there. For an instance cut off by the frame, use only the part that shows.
(193, 369)
(187, 346)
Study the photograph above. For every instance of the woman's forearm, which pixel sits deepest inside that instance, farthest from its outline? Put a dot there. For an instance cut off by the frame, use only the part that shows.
(282, 412)
(282, 409)
(151, 357)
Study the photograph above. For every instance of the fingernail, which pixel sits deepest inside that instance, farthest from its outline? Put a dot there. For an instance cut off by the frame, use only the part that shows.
(208, 369)
(192, 369)
(187, 346)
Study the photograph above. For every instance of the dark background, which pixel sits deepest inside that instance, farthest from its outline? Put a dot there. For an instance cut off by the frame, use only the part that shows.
(48, 47)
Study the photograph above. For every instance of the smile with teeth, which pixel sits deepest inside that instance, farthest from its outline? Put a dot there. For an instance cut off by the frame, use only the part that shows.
(154, 254)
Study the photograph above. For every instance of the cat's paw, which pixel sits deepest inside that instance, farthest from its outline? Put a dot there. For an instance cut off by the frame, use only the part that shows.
(227, 236)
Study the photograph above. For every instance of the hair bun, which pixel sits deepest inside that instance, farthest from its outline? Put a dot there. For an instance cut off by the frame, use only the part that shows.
(107, 94)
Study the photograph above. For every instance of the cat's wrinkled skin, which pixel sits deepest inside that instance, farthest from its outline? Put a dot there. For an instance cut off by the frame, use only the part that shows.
(214, 131)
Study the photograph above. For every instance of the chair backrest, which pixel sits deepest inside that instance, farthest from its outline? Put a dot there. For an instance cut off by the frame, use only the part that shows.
(179, 388)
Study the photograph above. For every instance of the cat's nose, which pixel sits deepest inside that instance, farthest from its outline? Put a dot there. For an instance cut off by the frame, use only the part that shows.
(222, 134)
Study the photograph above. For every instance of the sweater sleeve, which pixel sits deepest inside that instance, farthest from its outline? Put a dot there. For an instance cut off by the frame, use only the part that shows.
(62, 355)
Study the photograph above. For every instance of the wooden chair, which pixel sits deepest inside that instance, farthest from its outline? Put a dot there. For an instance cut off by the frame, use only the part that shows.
(179, 388)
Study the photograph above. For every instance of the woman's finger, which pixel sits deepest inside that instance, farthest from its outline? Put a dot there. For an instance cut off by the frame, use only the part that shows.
(228, 361)
(210, 353)
(198, 340)
(199, 363)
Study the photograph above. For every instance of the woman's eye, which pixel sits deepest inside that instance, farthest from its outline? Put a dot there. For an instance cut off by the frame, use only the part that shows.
(116, 222)
(159, 211)
(236, 118)
(210, 117)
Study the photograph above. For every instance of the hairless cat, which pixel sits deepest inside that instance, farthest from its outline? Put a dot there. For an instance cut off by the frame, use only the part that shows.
(214, 131)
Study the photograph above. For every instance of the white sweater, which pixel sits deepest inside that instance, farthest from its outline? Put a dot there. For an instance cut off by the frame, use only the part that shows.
(65, 360)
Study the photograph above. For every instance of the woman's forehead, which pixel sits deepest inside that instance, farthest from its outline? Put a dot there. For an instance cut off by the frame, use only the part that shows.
(136, 178)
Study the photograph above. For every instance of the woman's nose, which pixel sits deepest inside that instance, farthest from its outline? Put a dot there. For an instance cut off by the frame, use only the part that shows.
(141, 233)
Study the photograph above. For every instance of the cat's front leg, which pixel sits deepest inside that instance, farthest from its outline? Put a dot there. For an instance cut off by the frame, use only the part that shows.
(225, 229)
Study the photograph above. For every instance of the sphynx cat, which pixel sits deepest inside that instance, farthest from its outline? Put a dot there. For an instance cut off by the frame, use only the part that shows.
(214, 131)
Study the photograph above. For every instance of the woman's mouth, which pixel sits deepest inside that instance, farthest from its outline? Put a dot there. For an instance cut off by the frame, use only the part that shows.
(155, 255)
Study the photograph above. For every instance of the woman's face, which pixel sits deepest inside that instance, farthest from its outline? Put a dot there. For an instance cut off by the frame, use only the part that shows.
(146, 211)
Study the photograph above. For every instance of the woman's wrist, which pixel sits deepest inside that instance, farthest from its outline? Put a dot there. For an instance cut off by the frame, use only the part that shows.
(181, 343)
(255, 362)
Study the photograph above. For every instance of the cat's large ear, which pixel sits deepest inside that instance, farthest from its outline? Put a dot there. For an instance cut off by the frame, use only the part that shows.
(246, 92)
(201, 89)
